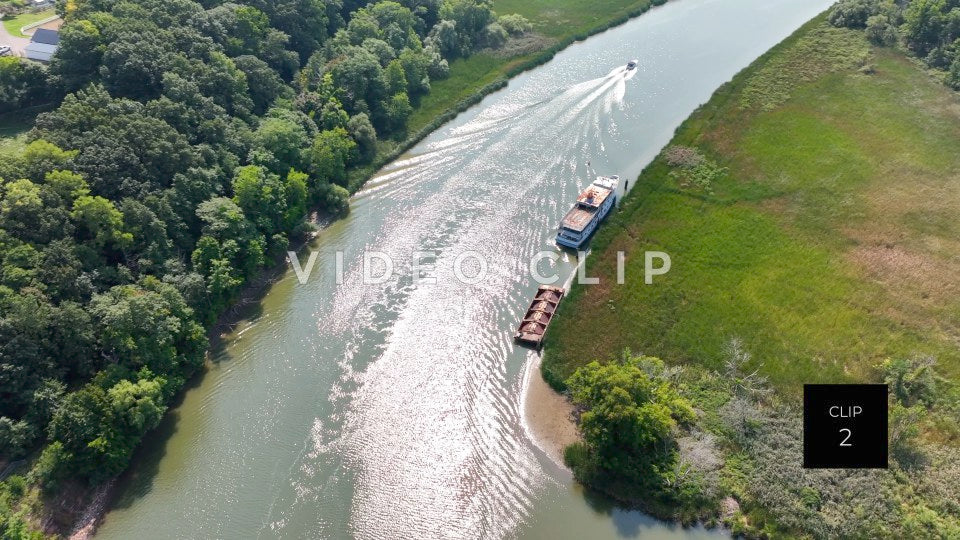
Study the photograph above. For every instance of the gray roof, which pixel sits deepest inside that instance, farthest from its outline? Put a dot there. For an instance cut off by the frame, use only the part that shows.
(41, 48)
(40, 51)
(46, 36)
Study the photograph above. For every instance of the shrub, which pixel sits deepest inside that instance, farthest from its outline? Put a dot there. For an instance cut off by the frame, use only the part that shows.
(880, 31)
(682, 156)
(515, 24)
(953, 76)
(494, 36)
(15, 437)
(333, 198)
(852, 13)
(912, 380)
(51, 468)
(16, 487)
(692, 167)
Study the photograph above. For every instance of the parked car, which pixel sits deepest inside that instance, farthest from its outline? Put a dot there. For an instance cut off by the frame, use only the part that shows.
(4, 50)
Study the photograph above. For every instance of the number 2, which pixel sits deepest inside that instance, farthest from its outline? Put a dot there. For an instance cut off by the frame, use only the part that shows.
(847, 438)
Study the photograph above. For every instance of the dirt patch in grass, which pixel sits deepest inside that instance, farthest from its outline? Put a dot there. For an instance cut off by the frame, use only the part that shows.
(528, 43)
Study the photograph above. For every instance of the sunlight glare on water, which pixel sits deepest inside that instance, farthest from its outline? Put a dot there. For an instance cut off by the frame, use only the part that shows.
(393, 410)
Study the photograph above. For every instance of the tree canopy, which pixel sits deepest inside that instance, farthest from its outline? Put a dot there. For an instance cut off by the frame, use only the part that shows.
(182, 146)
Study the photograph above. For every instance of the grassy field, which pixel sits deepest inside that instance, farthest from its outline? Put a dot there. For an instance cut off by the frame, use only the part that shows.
(831, 242)
(14, 127)
(467, 76)
(556, 21)
(562, 18)
(14, 24)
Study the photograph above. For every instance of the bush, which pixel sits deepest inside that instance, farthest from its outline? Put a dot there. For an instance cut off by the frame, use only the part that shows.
(853, 13)
(577, 455)
(51, 468)
(15, 437)
(912, 380)
(333, 198)
(494, 36)
(692, 167)
(682, 156)
(15, 486)
(515, 24)
(953, 76)
(880, 31)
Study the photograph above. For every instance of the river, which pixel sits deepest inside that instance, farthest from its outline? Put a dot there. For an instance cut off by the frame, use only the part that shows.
(394, 410)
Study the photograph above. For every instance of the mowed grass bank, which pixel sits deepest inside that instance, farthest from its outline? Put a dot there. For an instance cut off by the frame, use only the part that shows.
(831, 242)
(556, 24)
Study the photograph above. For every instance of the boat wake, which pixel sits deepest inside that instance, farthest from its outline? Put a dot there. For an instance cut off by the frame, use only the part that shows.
(393, 410)
(435, 416)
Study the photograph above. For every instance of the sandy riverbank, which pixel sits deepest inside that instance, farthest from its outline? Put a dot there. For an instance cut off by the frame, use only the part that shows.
(548, 416)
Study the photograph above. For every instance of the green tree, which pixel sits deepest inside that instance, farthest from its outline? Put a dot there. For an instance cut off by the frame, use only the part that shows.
(295, 189)
(381, 49)
(68, 185)
(630, 411)
(333, 198)
(398, 110)
(416, 69)
(250, 29)
(853, 13)
(81, 47)
(360, 78)
(22, 83)
(261, 194)
(221, 277)
(328, 156)
(363, 133)
(52, 467)
(41, 157)
(332, 115)
(16, 436)
(284, 139)
(95, 431)
(264, 83)
(149, 325)
(395, 78)
(100, 223)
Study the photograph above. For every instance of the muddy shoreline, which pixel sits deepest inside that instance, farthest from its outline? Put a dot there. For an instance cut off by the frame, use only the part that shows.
(549, 416)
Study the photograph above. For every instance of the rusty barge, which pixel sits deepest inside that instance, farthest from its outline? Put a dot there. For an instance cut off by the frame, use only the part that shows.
(537, 319)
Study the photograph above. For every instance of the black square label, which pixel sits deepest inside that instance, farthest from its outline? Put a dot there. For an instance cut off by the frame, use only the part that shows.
(845, 426)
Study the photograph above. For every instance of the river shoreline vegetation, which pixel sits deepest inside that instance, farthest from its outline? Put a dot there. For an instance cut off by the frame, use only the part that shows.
(177, 150)
(169, 154)
(809, 209)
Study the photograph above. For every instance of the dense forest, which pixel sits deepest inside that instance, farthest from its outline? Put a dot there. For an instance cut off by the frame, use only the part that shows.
(185, 144)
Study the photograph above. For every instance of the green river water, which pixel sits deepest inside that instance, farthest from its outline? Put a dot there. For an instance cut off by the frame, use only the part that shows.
(394, 410)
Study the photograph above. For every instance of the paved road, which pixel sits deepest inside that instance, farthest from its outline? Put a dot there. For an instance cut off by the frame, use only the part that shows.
(17, 44)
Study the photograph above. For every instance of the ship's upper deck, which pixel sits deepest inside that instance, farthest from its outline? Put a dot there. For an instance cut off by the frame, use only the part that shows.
(578, 218)
(588, 203)
(593, 196)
